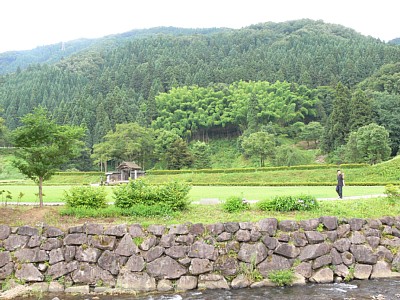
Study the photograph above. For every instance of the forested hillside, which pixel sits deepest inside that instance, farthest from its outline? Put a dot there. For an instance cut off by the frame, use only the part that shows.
(272, 77)
(12, 61)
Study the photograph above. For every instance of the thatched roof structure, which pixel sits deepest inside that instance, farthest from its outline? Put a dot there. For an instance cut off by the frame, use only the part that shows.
(127, 165)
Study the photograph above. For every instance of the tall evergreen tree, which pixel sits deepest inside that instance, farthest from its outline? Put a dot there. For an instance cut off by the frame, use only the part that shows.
(338, 127)
(360, 110)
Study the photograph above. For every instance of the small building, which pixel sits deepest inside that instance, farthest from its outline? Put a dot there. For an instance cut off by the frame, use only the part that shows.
(125, 171)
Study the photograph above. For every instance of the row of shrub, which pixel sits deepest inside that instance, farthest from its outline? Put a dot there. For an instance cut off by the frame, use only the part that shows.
(75, 173)
(132, 198)
(260, 169)
(289, 203)
(278, 203)
(173, 194)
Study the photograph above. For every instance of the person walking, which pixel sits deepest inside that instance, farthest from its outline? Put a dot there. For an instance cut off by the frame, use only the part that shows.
(340, 184)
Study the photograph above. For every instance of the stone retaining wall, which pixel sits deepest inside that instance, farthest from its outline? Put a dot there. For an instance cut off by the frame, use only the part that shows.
(189, 256)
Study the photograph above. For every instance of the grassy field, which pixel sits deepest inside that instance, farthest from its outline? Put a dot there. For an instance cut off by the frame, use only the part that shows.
(55, 193)
(206, 214)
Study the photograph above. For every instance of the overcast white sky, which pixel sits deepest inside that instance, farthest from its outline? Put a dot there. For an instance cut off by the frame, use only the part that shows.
(26, 24)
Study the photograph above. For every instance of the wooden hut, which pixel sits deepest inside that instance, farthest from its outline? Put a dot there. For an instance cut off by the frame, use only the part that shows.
(125, 171)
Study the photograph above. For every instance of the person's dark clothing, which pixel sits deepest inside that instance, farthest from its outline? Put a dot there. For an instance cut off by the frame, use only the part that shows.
(339, 186)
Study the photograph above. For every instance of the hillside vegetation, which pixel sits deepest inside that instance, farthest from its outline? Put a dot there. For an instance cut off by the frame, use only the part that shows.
(164, 89)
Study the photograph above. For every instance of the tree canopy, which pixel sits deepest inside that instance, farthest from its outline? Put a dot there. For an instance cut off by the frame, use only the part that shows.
(43, 146)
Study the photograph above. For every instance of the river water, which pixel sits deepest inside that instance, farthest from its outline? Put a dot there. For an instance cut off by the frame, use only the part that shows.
(383, 289)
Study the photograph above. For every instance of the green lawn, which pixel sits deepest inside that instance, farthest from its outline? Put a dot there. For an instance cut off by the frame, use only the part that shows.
(261, 193)
(209, 214)
(55, 193)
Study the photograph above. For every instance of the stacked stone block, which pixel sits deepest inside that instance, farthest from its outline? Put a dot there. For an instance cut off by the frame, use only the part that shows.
(189, 256)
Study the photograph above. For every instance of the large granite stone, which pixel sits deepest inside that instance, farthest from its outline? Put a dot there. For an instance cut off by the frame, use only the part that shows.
(165, 267)
(28, 272)
(177, 251)
(28, 230)
(109, 261)
(102, 242)
(268, 226)
(87, 254)
(185, 283)
(313, 251)
(31, 255)
(200, 266)
(15, 241)
(135, 263)
(324, 275)
(273, 263)
(287, 250)
(364, 254)
(202, 250)
(252, 253)
(5, 231)
(126, 246)
(140, 282)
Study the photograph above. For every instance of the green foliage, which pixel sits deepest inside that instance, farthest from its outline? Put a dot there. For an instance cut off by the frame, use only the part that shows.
(111, 211)
(289, 155)
(289, 203)
(266, 205)
(392, 190)
(86, 196)
(129, 142)
(312, 132)
(250, 270)
(5, 196)
(138, 240)
(393, 193)
(387, 114)
(350, 276)
(172, 151)
(360, 110)
(43, 146)
(235, 204)
(264, 169)
(172, 195)
(259, 144)
(370, 144)
(337, 127)
(198, 111)
(281, 277)
(201, 155)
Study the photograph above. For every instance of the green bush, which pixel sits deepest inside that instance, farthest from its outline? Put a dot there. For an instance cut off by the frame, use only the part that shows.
(289, 203)
(235, 204)
(173, 195)
(266, 205)
(281, 277)
(392, 192)
(86, 196)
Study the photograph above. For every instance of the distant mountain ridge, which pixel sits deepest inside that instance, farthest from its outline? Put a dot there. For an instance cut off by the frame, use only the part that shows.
(11, 61)
(395, 41)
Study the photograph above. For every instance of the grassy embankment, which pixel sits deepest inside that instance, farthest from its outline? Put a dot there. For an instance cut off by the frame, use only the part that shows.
(250, 185)
(363, 208)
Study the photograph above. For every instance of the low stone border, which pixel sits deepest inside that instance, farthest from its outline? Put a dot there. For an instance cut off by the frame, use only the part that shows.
(131, 258)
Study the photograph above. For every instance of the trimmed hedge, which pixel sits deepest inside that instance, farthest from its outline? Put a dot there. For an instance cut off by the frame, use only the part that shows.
(251, 170)
(79, 173)
(290, 183)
